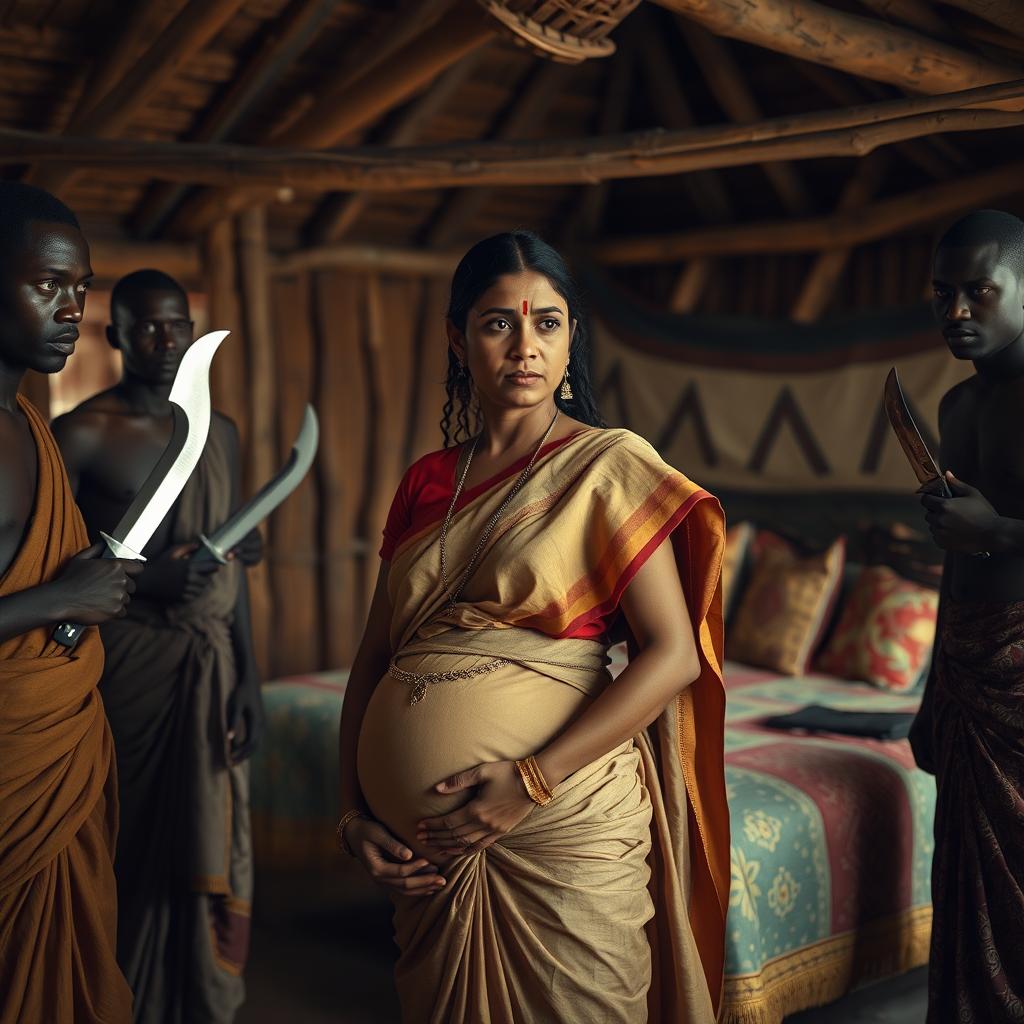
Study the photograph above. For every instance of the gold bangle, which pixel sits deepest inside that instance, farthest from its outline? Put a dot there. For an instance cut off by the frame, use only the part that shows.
(339, 830)
(533, 779)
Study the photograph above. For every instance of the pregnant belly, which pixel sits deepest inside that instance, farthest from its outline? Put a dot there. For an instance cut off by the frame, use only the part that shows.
(405, 750)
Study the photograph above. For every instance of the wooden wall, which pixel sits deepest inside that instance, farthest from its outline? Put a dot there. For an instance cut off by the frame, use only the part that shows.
(368, 351)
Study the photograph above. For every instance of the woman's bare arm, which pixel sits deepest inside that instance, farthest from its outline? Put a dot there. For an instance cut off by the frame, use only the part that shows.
(655, 608)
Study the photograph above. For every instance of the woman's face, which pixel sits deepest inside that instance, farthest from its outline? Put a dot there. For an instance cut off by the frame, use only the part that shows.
(517, 338)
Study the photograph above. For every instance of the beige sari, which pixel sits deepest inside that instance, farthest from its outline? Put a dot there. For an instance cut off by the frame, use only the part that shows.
(609, 903)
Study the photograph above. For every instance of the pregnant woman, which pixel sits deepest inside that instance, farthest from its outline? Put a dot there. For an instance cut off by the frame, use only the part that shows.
(550, 858)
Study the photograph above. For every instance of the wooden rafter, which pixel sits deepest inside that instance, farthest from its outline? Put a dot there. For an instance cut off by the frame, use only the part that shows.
(1005, 14)
(706, 189)
(917, 14)
(588, 214)
(689, 286)
(375, 89)
(190, 31)
(828, 267)
(867, 47)
(835, 231)
(723, 76)
(285, 39)
(524, 119)
(340, 210)
(551, 162)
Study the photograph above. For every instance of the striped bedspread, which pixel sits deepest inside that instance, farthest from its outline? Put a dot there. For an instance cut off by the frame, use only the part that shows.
(831, 836)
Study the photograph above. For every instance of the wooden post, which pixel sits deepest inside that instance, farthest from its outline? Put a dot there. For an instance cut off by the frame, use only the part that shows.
(294, 528)
(824, 275)
(260, 458)
(867, 47)
(690, 284)
(343, 406)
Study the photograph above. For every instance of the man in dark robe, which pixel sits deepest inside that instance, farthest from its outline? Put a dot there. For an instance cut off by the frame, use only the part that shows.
(970, 730)
(58, 797)
(180, 684)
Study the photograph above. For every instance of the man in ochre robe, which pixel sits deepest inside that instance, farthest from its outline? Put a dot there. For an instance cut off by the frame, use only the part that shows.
(58, 801)
(970, 731)
(180, 684)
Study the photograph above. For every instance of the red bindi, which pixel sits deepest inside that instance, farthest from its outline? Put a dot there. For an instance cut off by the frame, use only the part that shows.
(524, 307)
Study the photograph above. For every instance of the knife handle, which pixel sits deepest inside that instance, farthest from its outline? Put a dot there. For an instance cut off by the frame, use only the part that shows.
(67, 634)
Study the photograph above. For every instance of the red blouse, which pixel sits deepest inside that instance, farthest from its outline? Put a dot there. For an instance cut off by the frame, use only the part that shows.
(425, 493)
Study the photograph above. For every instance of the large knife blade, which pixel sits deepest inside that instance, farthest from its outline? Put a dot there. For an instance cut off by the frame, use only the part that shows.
(916, 451)
(190, 408)
(270, 495)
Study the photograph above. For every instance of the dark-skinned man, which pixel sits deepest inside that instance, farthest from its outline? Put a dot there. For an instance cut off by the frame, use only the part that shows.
(180, 684)
(970, 730)
(58, 796)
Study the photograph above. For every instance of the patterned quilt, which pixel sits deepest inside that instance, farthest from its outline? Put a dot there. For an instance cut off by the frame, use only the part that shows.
(831, 836)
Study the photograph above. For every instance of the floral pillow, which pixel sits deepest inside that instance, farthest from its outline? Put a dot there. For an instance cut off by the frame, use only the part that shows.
(885, 632)
(786, 606)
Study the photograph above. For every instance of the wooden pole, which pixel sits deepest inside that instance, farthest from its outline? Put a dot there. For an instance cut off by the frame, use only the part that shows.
(724, 78)
(195, 25)
(811, 31)
(337, 114)
(553, 162)
(287, 37)
(525, 119)
(1007, 15)
(913, 13)
(366, 258)
(821, 281)
(836, 231)
(690, 284)
(113, 258)
(340, 210)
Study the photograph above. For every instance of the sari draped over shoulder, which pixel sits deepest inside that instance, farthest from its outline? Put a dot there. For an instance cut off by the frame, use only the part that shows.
(58, 798)
(609, 903)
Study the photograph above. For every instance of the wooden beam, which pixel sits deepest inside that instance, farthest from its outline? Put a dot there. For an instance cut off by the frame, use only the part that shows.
(522, 120)
(821, 281)
(338, 113)
(706, 190)
(282, 43)
(585, 220)
(1005, 14)
(846, 92)
(723, 76)
(689, 286)
(551, 162)
(838, 230)
(913, 13)
(113, 258)
(369, 258)
(811, 31)
(340, 210)
(193, 28)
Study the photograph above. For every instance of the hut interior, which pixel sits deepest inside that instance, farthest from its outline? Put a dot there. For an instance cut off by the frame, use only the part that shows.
(750, 195)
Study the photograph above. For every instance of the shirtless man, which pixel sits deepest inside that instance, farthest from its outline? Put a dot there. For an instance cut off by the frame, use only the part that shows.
(180, 683)
(57, 797)
(970, 731)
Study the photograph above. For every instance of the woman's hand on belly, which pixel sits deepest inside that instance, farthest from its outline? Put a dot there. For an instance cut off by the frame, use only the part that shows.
(390, 862)
(500, 803)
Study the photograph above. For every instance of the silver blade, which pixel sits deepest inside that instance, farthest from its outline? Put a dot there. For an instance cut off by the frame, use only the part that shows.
(254, 511)
(191, 393)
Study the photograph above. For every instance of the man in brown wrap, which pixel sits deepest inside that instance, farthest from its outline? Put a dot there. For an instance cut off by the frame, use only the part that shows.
(58, 801)
(970, 730)
(180, 684)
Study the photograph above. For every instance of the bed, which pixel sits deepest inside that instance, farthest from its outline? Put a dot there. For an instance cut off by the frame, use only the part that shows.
(831, 836)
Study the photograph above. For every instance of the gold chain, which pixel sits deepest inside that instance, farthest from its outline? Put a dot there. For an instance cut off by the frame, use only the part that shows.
(453, 596)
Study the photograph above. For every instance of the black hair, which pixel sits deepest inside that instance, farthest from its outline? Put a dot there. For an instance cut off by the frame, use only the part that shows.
(982, 227)
(510, 253)
(137, 282)
(21, 205)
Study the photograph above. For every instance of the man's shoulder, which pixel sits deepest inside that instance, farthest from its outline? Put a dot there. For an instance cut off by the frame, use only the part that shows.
(963, 392)
(84, 430)
(94, 410)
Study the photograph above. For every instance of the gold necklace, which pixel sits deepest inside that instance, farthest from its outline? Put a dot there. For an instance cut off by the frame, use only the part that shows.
(453, 596)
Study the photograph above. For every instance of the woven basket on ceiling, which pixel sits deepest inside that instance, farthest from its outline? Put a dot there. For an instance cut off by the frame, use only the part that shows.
(561, 30)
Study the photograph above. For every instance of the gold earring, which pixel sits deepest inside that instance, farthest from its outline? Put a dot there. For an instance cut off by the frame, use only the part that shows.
(566, 390)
